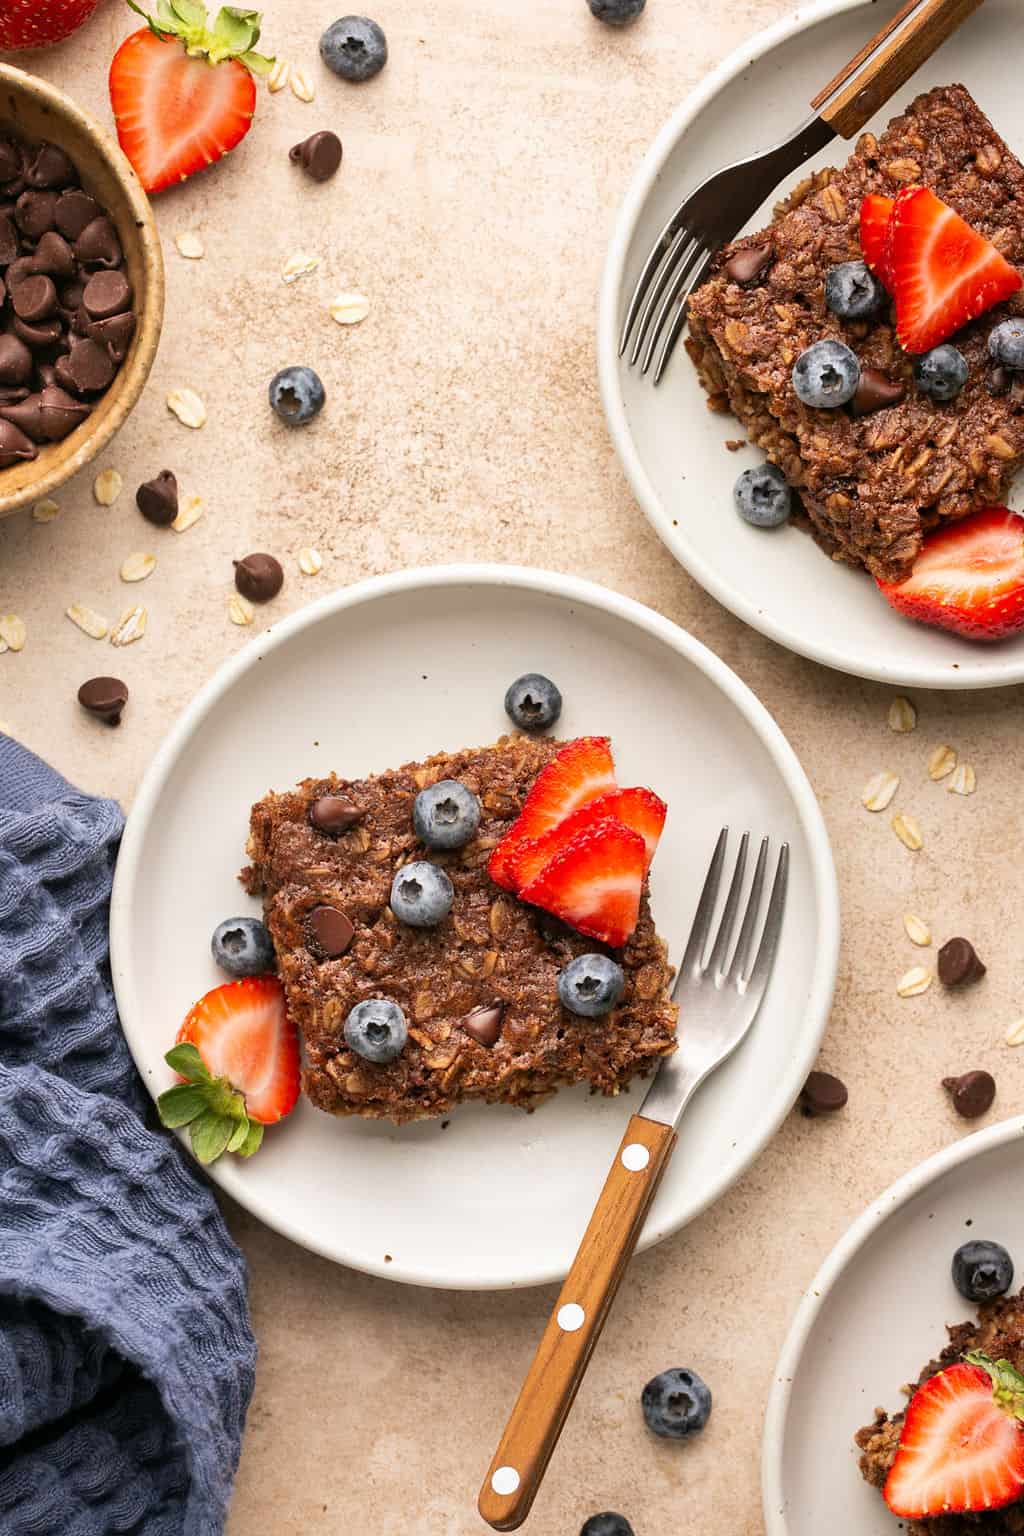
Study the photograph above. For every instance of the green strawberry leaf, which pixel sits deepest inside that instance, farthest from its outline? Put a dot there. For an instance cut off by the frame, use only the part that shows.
(253, 1141)
(234, 34)
(190, 13)
(182, 1104)
(256, 63)
(210, 1135)
(239, 1136)
(187, 1062)
(1007, 1383)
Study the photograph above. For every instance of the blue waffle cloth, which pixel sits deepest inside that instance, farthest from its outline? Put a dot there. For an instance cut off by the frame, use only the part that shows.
(126, 1353)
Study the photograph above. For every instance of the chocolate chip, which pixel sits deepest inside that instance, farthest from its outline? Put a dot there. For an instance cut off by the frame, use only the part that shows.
(19, 270)
(104, 697)
(15, 361)
(49, 166)
(972, 1093)
(10, 161)
(87, 368)
(106, 294)
(35, 212)
(483, 1023)
(34, 299)
(998, 381)
(46, 334)
(319, 155)
(115, 334)
(333, 814)
(98, 245)
(258, 577)
(875, 391)
(157, 499)
(747, 265)
(75, 211)
(329, 932)
(61, 413)
(27, 416)
(54, 255)
(11, 395)
(9, 245)
(14, 445)
(822, 1094)
(959, 964)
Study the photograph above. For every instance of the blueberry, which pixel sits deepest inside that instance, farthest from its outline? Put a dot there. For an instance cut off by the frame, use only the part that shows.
(242, 947)
(941, 373)
(852, 292)
(421, 895)
(446, 815)
(591, 985)
(297, 395)
(533, 702)
(762, 496)
(982, 1271)
(617, 13)
(676, 1404)
(608, 1524)
(355, 48)
(376, 1030)
(826, 375)
(1006, 344)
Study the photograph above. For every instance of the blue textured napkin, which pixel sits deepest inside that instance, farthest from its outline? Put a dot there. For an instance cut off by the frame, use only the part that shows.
(126, 1355)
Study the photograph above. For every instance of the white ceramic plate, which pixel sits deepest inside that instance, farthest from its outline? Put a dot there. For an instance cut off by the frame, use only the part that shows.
(874, 1314)
(389, 671)
(671, 446)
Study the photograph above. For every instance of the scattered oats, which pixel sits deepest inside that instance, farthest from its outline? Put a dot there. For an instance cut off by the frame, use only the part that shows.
(12, 631)
(5, 729)
(902, 716)
(88, 620)
(107, 487)
(278, 77)
(941, 762)
(964, 780)
(879, 790)
(310, 561)
(45, 511)
(130, 626)
(189, 513)
(240, 610)
(908, 832)
(917, 932)
(190, 245)
(188, 407)
(4, 647)
(1015, 1033)
(914, 982)
(301, 83)
(138, 566)
(349, 308)
(298, 265)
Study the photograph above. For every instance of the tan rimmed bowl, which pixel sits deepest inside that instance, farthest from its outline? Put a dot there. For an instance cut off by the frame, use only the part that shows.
(37, 110)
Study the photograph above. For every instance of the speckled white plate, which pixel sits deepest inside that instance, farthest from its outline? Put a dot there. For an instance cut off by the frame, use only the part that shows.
(671, 446)
(393, 669)
(874, 1313)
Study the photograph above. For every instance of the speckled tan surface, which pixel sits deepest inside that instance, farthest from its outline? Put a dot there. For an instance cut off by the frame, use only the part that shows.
(481, 177)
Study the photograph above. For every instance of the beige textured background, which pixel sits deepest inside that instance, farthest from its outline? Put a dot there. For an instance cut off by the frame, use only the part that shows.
(481, 177)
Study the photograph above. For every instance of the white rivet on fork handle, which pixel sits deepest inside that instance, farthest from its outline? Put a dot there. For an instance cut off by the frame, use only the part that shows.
(571, 1317)
(635, 1157)
(505, 1480)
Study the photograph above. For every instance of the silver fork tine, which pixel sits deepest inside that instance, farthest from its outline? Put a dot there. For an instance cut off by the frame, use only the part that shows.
(657, 252)
(694, 255)
(716, 960)
(657, 288)
(705, 909)
(744, 955)
(758, 978)
(679, 319)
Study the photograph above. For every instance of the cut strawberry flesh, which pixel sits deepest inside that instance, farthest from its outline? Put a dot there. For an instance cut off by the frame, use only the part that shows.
(969, 577)
(243, 1032)
(639, 809)
(594, 882)
(581, 772)
(958, 1451)
(875, 213)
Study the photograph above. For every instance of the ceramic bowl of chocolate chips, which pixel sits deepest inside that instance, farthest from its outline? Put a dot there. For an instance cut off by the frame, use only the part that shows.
(81, 288)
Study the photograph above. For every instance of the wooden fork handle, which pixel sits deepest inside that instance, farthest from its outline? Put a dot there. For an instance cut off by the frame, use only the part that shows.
(553, 1380)
(864, 87)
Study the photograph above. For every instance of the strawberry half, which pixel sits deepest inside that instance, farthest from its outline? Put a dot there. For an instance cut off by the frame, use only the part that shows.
(183, 92)
(875, 213)
(962, 1442)
(943, 272)
(639, 809)
(239, 1055)
(594, 883)
(582, 770)
(969, 577)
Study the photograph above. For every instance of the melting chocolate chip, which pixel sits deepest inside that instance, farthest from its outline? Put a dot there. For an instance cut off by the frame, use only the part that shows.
(483, 1023)
(959, 964)
(35, 299)
(98, 245)
(8, 241)
(875, 391)
(115, 334)
(50, 167)
(15, 361)
(10, 161)
(333, 814)
(822, 1094)
(54, 256)
(747, 265)
(157, 499)
(87, 368)
(329, 932)
(46, 334)
(319, 155)
(75, 211)
(35, 212)
(259, 577)
(14, 445)
(972, 1093)
(61, 412)
(104, 697)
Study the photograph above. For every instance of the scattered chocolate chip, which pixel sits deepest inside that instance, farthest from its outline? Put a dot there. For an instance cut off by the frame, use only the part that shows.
(98, 245)
(329, 932)
(14, 445)
(75, 211)
(87, 368)
(50, 167)
(875, 391)
(15, 361)
(115, 334)
(259, 577)
(483, 1023)
(333, 814)
(46, 334)
(106, 294)
(747, 265)
(157, 499)
(54, 256)
(822, 1094)
(972, 1093)
(959, 964)
(319, 155)
(104, 697)
(34, 299)
(8, 241)
(34, 212)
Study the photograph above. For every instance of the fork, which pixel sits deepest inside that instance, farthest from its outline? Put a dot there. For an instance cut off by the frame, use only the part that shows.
(719, 999)
(715, 212)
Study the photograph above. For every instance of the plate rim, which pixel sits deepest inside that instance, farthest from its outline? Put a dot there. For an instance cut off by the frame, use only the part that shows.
(541, 582)
(938, 676)
(875, 1215)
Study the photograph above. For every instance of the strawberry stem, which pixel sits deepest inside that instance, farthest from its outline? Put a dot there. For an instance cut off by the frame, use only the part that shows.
(234, 34)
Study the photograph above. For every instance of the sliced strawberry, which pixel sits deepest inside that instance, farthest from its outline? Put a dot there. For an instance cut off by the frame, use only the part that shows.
(582, 770)
(639, 809)
(962, 1443)
(875, 212)
(244, 1034)
(943, 272)
(594, 883)
(969, 577)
